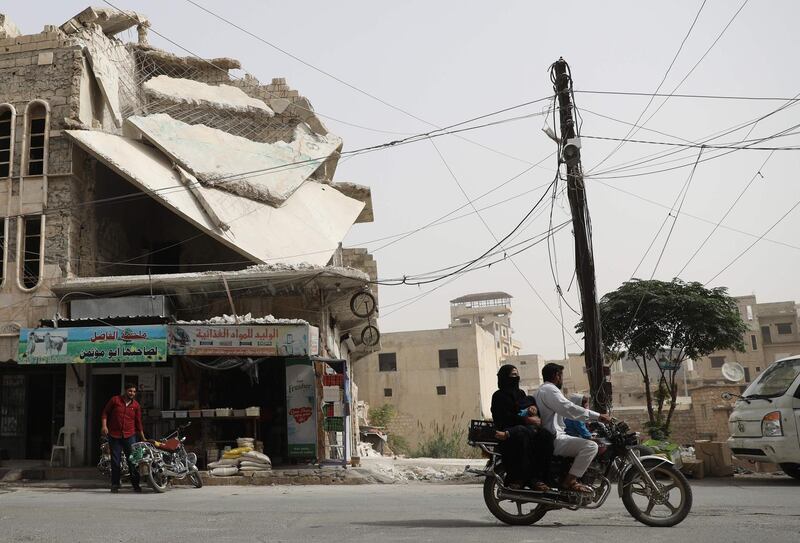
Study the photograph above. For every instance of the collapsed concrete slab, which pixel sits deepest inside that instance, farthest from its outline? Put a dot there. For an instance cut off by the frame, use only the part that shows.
(307, 228)
(105, 60)
(7, 27)
(111, 21)
(266, 172)
(196, 93)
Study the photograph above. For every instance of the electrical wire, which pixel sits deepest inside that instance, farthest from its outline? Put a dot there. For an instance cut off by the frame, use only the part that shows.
(632, 131)
(698, 96)
(725, 215)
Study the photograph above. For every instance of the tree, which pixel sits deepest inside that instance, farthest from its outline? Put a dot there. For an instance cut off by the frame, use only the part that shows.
(667, 322)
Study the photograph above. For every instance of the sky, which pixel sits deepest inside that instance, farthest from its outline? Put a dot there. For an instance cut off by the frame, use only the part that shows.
(446, 62)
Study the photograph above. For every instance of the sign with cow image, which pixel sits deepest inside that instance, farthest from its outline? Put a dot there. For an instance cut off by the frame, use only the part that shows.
(301, 422)
(93, 345)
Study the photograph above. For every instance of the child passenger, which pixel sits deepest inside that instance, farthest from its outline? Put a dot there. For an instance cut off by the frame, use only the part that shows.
(578, 428)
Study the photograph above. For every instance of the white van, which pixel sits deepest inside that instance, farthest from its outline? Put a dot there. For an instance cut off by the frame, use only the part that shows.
(765, 423)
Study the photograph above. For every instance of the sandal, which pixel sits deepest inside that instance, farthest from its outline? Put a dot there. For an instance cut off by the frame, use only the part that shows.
(575, 486)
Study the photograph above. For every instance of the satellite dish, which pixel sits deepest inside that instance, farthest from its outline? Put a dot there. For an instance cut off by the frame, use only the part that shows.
(733, 371)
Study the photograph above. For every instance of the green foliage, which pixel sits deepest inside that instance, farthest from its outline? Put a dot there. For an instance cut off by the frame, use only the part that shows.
(399, 444)
(642, 317)
(667, 322)
(445, 440)
(383, 415)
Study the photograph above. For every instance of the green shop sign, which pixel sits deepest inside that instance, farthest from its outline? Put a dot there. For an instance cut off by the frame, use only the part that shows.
(93, 345)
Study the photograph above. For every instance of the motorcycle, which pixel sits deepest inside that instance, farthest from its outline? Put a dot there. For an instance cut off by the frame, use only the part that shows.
(104, 465)
(652, 489)
(159, 461)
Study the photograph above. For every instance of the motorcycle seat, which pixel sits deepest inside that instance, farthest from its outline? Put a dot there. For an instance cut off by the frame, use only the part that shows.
(170, 445)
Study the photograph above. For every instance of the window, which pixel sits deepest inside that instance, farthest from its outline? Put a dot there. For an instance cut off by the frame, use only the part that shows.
(463, 321)
(747, 375)
(441, 391)
(387, 392)
(766, 336)
(717, 361)
(31, 245)
(6, 139)
(749, 311)
(496, 327)
(505, 349)
(3, 236)
(37, 129)
(523, 363)
(387, 362)
(758, 368)
(784, 327)
(448, 358)
(754, 342)
(504, 331)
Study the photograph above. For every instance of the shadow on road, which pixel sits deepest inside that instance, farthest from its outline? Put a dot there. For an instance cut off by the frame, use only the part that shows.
(430, 523)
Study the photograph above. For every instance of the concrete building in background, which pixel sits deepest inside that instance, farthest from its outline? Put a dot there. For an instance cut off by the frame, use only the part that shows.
(492, 312)
(439, 377)
(773, 332)
(530, 372)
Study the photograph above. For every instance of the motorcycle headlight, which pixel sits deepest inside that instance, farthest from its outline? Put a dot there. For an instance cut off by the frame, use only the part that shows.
(771, 425)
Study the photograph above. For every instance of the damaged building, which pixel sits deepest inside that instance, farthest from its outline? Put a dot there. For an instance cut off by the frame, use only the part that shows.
(170, 224)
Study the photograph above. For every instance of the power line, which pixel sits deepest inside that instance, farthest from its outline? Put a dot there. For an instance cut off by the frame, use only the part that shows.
(745, 251)
(499, 241)
(345, 83)
(677, 214)
(730, 208)
(697, 96)
(702, 219)
(703, 145)
(652, 96)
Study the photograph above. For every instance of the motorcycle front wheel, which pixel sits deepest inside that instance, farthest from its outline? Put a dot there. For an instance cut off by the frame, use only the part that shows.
(648, 507)
(195, 478)
(157, 481)
(513, 512)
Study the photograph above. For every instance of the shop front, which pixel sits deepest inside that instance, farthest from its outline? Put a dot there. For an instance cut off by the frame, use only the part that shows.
(263, 382)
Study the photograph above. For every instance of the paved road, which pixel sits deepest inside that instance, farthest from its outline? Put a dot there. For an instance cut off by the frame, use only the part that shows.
(752, 510)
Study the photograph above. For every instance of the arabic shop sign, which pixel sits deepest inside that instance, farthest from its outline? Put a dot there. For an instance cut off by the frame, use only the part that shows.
(244, 340)
(93, 345)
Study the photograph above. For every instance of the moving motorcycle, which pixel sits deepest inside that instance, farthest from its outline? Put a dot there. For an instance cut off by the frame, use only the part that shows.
(652, 489)
(159, 461)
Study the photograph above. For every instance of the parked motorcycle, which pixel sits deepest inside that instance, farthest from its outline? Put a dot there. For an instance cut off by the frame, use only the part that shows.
(104, 465)
(159, 461)
(652, 489)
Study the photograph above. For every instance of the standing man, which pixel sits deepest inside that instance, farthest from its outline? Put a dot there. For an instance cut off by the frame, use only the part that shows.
(121, 422)
(553, 409)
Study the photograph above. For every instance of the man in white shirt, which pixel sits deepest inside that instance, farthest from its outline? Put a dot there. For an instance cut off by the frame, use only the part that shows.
(553, 409)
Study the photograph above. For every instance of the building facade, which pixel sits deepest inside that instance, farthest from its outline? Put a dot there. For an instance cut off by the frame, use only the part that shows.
(121, 180)
(492, 312)
(773, 333)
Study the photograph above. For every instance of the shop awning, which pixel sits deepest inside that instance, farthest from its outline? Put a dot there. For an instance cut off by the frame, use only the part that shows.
(306, 228)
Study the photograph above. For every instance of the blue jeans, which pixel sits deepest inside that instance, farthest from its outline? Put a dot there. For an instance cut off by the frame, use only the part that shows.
(119, 445)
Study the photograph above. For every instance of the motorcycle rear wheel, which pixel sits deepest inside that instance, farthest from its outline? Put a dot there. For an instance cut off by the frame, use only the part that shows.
(195, 478)
(158, 482)
(491, 488)
(636, 496)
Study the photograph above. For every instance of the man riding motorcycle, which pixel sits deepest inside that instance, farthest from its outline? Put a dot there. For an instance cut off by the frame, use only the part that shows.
(553, 409)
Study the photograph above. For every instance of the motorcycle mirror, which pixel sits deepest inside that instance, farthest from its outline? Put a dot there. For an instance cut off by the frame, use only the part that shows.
(726, 396)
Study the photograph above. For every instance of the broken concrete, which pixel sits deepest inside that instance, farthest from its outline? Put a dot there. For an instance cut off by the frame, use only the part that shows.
(263, 172)
(111, 21)
(7, 27)
(105, 59)
(307, 228)
(196, 93)
(361, 193)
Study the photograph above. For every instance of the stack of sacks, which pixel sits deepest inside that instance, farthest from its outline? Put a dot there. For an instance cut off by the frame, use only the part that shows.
(245, 442)
(224, 467)
(253, 461)
(229, 463)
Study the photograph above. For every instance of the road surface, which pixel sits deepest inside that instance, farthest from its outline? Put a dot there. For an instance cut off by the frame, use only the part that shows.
(761, 510)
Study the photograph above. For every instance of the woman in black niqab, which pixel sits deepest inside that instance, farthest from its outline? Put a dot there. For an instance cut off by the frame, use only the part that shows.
(525, 446)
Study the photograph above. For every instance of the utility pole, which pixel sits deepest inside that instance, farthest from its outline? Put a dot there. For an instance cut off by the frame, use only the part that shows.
(582, 229)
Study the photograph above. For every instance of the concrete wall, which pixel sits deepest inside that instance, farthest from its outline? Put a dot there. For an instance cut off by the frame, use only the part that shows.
(469, 387)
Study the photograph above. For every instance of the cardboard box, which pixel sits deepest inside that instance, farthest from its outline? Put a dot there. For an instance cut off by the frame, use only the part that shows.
(716, 457)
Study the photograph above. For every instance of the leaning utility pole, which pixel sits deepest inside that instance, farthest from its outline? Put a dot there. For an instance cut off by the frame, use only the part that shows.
(582, 229)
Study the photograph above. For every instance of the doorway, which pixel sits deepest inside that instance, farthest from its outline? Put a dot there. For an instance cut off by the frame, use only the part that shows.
(45, 414)
(104, 386)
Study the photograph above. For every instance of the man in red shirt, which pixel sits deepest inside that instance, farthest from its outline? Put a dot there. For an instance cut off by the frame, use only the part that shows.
(121, 422)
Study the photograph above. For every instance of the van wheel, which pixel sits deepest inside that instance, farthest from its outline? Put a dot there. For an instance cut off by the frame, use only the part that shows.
(792, 470)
